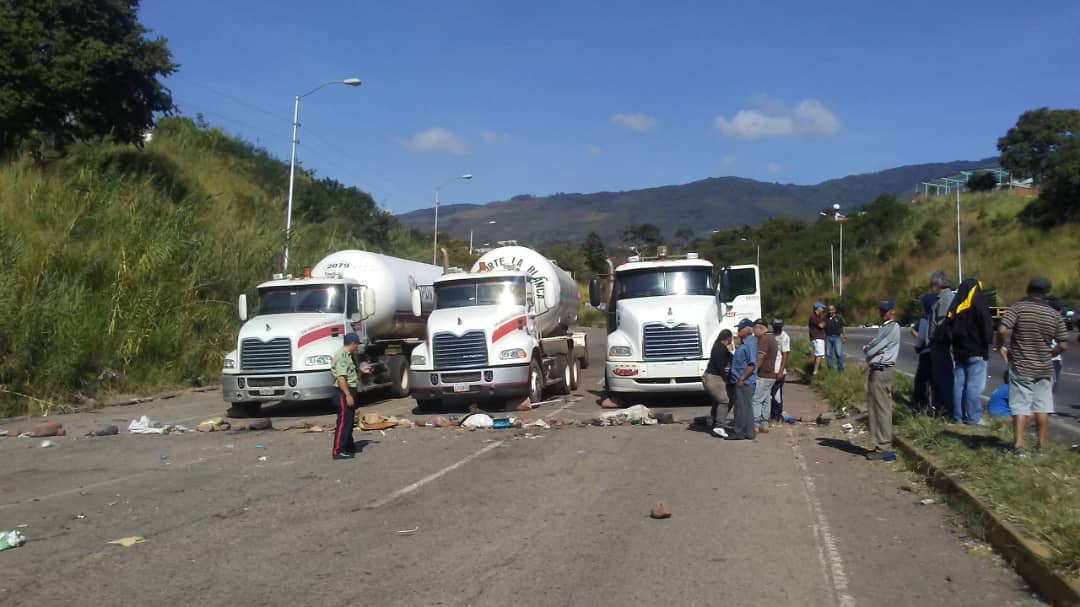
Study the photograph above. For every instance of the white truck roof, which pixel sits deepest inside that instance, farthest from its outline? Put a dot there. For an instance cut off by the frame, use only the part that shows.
(474, 275)
(663, 263)
(302, 282)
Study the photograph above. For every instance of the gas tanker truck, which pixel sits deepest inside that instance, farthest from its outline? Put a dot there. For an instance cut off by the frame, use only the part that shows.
(284, 352)
(502, 331)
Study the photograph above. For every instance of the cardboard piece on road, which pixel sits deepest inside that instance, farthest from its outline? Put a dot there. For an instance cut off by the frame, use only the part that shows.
(375, 421)
(128, 542)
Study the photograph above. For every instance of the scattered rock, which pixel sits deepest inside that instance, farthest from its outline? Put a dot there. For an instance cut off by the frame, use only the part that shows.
(665, 417)
(822, 420)
(660, 510)
(524, 405)
(701, 421)
(442, 422)
(607, 403)
(108, 431)
(48, 429)
(264, 423)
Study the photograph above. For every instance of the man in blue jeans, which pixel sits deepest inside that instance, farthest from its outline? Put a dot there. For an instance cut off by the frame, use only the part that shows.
(970, 328)
(835, 338)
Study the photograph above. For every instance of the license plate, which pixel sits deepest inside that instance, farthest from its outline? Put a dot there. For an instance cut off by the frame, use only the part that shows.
(266, 391)
(461, 387)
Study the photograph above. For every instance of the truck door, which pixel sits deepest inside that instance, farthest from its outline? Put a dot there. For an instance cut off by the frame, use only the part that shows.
(739, 294)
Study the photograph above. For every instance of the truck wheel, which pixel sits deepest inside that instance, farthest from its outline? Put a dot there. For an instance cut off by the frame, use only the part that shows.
(536, 382)
(243, 410)
(398, 367)
(563, 385)
(575, 369)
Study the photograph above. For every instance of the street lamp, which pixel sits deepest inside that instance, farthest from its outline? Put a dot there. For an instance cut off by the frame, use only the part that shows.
(435, 232)
(292, 162)
(840, 219)
(959, 250)
(490, 223)
(758, 245)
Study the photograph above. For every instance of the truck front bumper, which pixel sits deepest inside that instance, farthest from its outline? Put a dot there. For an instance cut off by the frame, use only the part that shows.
(470, 384)
(266, 387)
(668, 376)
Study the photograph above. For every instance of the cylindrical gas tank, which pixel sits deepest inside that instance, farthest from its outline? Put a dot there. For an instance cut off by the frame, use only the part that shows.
(551, 283)
(391, 281)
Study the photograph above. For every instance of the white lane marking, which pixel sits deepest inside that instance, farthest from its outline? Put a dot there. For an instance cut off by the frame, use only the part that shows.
(832, 564)
(1070, 374)
(562, 408)
(431, 477)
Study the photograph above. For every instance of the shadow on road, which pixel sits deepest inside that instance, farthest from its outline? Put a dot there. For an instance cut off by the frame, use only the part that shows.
(843, 445)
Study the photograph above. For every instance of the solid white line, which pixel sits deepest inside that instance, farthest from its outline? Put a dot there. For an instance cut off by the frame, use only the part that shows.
(832, 564)
(431, 477)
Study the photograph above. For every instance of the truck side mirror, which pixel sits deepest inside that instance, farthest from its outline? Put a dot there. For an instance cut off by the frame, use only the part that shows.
(241, 307)
(723, 293)
(358, 302)
(368, 298)
(594, 291)
(416, 303)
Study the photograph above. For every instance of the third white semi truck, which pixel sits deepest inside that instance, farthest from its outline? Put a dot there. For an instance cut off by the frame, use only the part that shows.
(664, 313)
(502, 331)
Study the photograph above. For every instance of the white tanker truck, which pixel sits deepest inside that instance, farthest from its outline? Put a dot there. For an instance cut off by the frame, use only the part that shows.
(500, 331)
(284, 352)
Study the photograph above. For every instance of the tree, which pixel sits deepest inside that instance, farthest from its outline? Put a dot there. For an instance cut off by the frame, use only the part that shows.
(1060, 199)
(594, 253)
(642, 236)
(685, 237)
(78, 70)
(982, 182)
(1027, 148)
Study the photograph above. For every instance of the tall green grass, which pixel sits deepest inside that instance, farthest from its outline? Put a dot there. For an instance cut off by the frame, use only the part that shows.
(119, 268)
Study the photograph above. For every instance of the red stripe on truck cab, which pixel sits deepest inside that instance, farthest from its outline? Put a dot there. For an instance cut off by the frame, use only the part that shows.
(317, 334)
(507, 327)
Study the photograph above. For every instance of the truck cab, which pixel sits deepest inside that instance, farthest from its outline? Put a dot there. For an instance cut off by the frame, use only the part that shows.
(664, 315)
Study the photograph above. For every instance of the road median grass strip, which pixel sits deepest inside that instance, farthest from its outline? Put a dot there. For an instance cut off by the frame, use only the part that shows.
(1038, 496)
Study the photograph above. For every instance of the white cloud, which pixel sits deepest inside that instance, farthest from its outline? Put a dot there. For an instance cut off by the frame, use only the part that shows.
(494, 137)
(436, 140)
(634, 122)
(773, 168)
(772, 119)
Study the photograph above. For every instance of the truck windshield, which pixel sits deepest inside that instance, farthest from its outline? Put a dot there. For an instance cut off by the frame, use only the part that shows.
(485, 292)
(325, 299)
(664, 281)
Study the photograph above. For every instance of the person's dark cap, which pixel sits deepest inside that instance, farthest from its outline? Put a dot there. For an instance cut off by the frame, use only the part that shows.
(886, 304)
(761, 321)
(351, 338)
(745, 323)
(1039, 284)
(778, 322)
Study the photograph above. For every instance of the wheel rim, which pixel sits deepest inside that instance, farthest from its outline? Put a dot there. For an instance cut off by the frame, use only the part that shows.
(404, 382)
(537, 384)
(568, 375)
(575, 370)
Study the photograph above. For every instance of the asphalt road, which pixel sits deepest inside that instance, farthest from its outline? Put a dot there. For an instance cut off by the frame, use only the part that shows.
(1065, 423)
(430, 516)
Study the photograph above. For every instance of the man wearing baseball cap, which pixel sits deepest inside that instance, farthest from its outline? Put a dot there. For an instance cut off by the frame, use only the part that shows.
(346, 380)
(744, 377)
(881, 354)
(1034, 326)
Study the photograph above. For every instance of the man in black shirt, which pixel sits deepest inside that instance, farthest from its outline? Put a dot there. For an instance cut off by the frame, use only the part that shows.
(835, 338)
(715, 381)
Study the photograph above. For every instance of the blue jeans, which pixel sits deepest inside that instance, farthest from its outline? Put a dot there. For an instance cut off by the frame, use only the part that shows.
(834, 346)
(969, 380)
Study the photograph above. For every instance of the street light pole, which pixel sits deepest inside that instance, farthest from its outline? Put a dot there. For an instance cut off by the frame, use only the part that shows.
(292, 162)
(959, 250)
(836, 216)
(435, 232)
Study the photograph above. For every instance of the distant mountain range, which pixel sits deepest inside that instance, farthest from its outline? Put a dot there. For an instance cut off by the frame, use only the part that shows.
(702, 206)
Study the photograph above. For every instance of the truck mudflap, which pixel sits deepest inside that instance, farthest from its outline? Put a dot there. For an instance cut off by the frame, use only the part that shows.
(266, 387)
(672, 376)
(462, 384)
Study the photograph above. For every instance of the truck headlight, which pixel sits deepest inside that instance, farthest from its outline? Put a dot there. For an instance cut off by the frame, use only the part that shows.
(418, 360)
(513, 354)
(230, 363)
(316, 361)
(619, 351)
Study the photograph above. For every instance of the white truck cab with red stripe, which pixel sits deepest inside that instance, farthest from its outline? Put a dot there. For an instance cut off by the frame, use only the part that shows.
(499, 332)
(284, 351)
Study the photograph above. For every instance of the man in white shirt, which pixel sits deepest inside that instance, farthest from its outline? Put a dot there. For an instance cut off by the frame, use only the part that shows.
(783, 347)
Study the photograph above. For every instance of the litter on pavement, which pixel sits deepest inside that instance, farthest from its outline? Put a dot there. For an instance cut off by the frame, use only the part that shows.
(375, 421)
(408, 531)
(128, 542)
(144, 425)
(45, 444)
(48, 429)
(478, 421)
(660, 510)
(11, 539)
(638, 414)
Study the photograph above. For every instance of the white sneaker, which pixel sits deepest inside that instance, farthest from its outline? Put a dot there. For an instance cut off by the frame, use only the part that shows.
(718, 431)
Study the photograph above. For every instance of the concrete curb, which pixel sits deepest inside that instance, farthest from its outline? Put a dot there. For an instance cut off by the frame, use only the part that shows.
(1028, 556)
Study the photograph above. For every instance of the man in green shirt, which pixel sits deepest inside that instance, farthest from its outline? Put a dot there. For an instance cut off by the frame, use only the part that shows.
(345, 380)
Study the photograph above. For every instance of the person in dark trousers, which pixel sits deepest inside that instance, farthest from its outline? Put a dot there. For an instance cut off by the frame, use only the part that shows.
(835, 338)
(346, 381)
(881, 354)
(715, 381)
(941, 362)
(970, 328)
(920, 398)
(743, 378)
(1033, 325)
(783, 346)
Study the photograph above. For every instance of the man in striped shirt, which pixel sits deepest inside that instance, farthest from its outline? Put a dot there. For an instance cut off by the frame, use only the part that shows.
(1034, 325)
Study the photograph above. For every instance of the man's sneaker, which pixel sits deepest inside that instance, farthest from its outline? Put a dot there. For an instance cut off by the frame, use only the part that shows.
(1038, 452)
(718, 431)
(881, 456)
(344, 456)
(1019, 453)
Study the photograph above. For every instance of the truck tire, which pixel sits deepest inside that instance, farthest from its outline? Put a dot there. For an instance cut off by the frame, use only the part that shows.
(536, 382)
(398, 370)
(243, 410)
(575, 370)
(562, 387)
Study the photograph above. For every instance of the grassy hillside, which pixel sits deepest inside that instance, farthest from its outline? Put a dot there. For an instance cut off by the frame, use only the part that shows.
(891, 248)
(119, 268)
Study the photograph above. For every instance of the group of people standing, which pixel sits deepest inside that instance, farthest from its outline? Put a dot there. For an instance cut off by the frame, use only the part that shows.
(748, 378)
(828, 334)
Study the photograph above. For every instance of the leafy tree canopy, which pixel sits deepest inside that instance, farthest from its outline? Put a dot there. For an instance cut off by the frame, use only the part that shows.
(75, 70)
(982, 182)
(594, 253)
(1027, 149)
(642, 236)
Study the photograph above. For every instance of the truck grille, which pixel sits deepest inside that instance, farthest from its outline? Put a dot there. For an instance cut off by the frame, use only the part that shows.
(679, 342)
(453, 352)
(257, 355)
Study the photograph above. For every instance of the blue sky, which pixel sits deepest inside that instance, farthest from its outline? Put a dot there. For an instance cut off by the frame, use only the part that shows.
(557, 96)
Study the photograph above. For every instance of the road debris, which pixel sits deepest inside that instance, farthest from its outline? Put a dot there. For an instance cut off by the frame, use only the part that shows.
(48, 429)
(45, 444)
(665, 417)
(477, 421)
(263, 458)
(109, 430)
(660, 510)
(260, 446)
(408, 531)
(375, 421)
(848, 428)
(638, 414)
(144, 425)
(607, 403)
(537, 424)
(11, 539)
(214, 424)
(928, 501)
(128, 542)
(822, 420)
